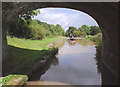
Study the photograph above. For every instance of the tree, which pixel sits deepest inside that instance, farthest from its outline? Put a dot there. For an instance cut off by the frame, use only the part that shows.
(59, 30)
(19, 28)
(29, 15)
(70, 30)
(94, 30)
(78, 33)
(85, 29)
(38, 32)
(25, 27)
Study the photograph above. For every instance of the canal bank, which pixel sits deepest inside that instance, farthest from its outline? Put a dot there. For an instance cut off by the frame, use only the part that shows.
(23, 56)
(74, 64)
(49, 59)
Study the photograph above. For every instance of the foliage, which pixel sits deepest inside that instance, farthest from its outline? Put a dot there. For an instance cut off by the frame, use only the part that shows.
(98, 40)
(59, 30)
(19, 28)
(35, 30)
(24, 53)
(29, 14)
(94, 30)
(70, 30)
(6, 79)
(83, 31)
(25, 27)
(53, 50)
(78, 33)
(90, 37)
(38, 32)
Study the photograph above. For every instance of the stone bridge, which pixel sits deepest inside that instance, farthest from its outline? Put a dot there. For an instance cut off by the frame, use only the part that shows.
(105, 13)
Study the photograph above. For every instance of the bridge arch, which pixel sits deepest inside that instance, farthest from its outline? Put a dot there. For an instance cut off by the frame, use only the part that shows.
(105, 14)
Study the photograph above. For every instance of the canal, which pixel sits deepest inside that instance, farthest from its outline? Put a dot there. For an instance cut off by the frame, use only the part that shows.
(75, 64)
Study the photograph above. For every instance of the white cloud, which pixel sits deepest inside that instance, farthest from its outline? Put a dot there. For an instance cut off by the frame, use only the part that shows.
(65, 17)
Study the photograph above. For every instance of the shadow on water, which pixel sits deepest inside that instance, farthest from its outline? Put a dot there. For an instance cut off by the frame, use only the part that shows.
(108, 79)
(41, 69)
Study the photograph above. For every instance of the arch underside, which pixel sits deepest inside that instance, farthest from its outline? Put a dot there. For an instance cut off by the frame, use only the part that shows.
(105, 14)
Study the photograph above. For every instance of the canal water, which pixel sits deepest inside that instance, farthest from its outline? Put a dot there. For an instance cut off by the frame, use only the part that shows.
(76, 64)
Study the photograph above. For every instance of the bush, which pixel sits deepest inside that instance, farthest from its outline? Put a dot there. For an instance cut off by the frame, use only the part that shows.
(98, 40)
(78, 33)
(38, 32)
(19, 28)
(90, 37)
(81, 34)
(9, 77)
(53, 51)
(94, 30)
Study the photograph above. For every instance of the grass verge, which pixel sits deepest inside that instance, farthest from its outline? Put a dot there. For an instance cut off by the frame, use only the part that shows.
(24, 54)
(32, 44)
(13, 79)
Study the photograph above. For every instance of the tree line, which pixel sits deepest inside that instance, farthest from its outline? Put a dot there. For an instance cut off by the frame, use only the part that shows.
(34, 30)
(25, 27)
(82, 31)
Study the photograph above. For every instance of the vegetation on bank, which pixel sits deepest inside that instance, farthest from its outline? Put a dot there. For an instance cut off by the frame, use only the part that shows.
(28, 39)
(35, 30)
(83, 31)
(32, 44)
(25, 27)
(12, 79)
(24, 54)
(98, 40)
(27, 43)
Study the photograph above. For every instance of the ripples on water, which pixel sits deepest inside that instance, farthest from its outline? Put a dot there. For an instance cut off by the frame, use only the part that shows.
(76, 64)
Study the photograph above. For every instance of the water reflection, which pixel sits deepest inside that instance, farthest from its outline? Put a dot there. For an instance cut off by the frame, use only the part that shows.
(72, 42)
(82, 42)
(35, 76)
(77, 64)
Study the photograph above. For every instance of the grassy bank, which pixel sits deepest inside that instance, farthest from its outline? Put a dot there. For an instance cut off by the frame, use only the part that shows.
(32, 44)
(13, 80)
(24, 54)
(98, 40)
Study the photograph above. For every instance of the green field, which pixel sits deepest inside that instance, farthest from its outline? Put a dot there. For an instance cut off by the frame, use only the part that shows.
(24, 54)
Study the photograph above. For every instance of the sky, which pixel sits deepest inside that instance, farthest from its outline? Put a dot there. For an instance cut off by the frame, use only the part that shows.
(65, 17)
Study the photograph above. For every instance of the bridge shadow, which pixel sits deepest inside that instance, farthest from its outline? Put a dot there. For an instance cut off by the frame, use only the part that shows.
(107, 78)
(28, 62)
